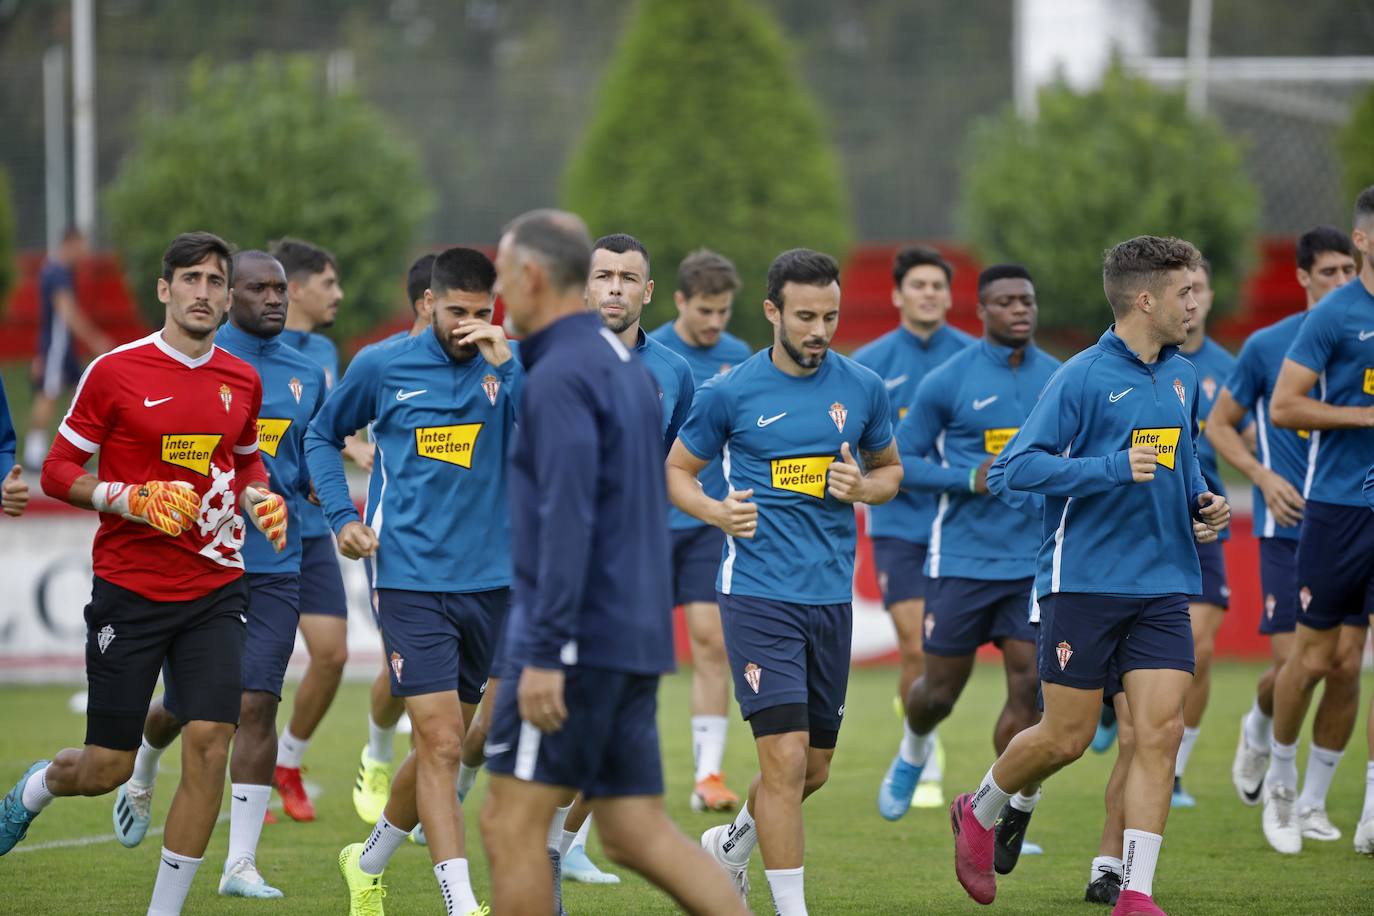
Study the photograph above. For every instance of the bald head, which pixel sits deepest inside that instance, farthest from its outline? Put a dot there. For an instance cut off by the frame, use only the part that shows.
(258, 305)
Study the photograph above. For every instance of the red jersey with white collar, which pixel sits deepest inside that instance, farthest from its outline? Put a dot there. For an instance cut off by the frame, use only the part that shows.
(154, 413)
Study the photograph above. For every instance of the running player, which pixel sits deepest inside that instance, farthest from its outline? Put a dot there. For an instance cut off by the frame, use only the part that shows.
(14, 492)
(292, 391)
(314, 294)
(1334, 352)
(981, 562)
(177, 417)
(788, 422)
(1278, 470)
(441, 407)
(705, 296)
(1109, 446)
(591, 628)
(1207, 609)
(900, 529)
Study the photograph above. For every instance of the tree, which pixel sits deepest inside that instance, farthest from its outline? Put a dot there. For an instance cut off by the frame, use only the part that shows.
(261, 150)
(705, 136)
(7, 230)
(1356, 146)
(1097, 168)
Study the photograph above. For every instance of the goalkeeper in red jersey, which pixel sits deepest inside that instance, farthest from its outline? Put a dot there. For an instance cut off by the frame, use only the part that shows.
(174, 419)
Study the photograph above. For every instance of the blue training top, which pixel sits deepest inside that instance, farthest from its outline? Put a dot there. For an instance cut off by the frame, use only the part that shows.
(675, 384)
(322, 350)
(1214, 366)
(9, 442)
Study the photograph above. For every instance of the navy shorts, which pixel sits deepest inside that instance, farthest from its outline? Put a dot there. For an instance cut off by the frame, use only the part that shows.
(322, 588)
(441, 641)
(274, 610)
(1335, 564)
(1212, 558)
(608, 747)
(782, 653)
(1082, 635)
(696, 560)
(962, 614)
(1279, 580)
(901, 570)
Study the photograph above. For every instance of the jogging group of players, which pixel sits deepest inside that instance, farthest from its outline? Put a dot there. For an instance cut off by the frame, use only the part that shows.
(1068, 513)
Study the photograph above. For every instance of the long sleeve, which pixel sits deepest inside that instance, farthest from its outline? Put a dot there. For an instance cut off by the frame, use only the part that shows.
(1030, 504)
(1039, 459)
(347, 409)
(9, 442)
(917, 435)
(683, 407)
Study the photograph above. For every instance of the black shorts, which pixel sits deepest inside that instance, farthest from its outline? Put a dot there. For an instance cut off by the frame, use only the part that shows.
(696, 560)
(128, 637)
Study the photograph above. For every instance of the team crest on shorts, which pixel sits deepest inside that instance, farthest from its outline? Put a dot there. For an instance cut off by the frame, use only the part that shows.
(1270, 602)
(105, 637)
(1065, 652)
(1305, 597)
(226, 396)
(397, 663)
(1178, 390)
(929, 625)
(753, 674)
(839, 415)
(1209, 386)
(297, 389)
(491, 385)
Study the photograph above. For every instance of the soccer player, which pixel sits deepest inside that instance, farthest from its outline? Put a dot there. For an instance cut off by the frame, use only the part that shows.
(292, 391)
(61, 323)
(789, 422)
(1110, 447)
(14, 492)
(314, 293)
(175, 421)
(981, 561)
(900, 529)
(441, 407)
(705, 296)
(1207, 609)
(1278, 470)
(1333, 352)
(590, 630)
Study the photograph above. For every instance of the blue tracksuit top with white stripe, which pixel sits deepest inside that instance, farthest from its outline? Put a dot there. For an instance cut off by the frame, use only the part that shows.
(675, 384)
(322, 350)
(592, 576)
(1214, 365)
(441, 429)
(292, 392)
(374, 479)
(964, 413)
(1103, 533)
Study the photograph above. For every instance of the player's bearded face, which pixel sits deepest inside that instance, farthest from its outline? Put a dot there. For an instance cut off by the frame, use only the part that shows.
(618, 287)
(453, 307)
(805, 323)
(197, 296)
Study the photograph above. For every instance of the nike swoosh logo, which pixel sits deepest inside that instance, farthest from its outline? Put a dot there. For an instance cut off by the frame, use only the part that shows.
(1116, 397)
(242, 798)
(171, 864)
(891, 383)
(771, 420)
(149, 402)
(1254, 796)
(1365, 335)
(980, 404)
(492, 750)
(407, 395)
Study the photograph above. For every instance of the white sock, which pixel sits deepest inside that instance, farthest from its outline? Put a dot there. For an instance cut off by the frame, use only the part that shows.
(915, 749)
(932, 772)
(789, 892)
(466, 777)
(1283, 764)
(1258, 728)
(145, 764)
(1026, 803)
(581, 838)
(1104, 864)
(708, 744)
(35, 448)
(1185, 750)
(1321, 766)
(1368, 811)
(456, 886)
(739, 845)
(291, 749)
(567, 839)
(174, 876)
(379, 742)
(988, 801)
(560, 817)
(247, 805)
(1139, 853)
(36, 796)
(381, 845)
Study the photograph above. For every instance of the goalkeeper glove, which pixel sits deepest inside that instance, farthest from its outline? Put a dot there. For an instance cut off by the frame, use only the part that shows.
(267, 510)
(170, 506)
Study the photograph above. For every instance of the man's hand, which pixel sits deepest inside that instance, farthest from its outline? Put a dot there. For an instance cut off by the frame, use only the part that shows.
(845, 480)
(1203, 533)
(540, 694)
(356, 541)
(267, 511)
(1144, 459)
(489, 340)
(738, 518)
(170, 506)
(1215, 511)
(1284, 501)
(980, 479)
(14, 493)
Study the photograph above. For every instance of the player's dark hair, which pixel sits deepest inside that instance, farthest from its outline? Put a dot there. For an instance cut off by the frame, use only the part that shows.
(298, 257)
(1364, 208)
(1143, 264)
(1322, 239)
(559, 241)
(466, 270)
(417, 278)
(803, 266)
(251, 254)
(619, 243)
(995, 272)
(917, 256)
(705, 273)
(190, 248)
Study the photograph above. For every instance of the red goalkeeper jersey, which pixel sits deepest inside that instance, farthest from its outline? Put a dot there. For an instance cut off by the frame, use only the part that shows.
(154, 413)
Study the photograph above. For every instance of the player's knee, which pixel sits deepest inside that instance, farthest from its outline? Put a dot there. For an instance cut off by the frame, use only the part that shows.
(331, 657)
(1162, 738)
(1345, 674)
(939, 699)
(440, 743)
(105, 774)
(708, 654)
(817, 774)
(784, 765)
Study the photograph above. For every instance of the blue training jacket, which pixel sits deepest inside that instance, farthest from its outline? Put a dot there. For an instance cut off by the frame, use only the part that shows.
(9, 442)
(675, 384)
(1214, 365)
(322, 350)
